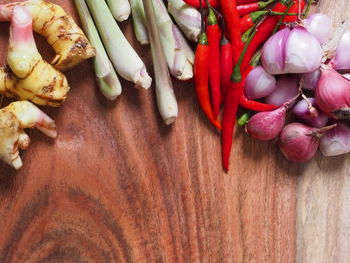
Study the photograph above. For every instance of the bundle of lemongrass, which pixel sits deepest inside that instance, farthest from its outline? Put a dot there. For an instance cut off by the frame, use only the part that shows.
(114, 54)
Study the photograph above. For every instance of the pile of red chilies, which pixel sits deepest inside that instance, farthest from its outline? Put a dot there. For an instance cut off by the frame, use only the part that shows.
(224, 57)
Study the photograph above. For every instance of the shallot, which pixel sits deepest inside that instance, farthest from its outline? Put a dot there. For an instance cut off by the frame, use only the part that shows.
(310, 80)
(267, 125)
(286, 89)
(259, 83)
(333, 94)
(299, 143)
(309, 113)
(291, 51)
(342, 55)
(320, 26)
(336, 141)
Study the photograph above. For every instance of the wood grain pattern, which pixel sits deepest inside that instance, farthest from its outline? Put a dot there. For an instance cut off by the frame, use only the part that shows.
(117, 185)
(323, 193)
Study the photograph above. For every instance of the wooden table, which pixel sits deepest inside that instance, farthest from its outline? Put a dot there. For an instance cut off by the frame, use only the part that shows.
(117, 185)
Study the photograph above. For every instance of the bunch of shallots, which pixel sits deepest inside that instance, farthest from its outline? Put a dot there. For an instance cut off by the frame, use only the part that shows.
(300, 70)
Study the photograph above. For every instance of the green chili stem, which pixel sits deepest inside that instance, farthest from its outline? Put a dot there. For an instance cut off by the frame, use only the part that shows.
(236, 75)
(244, 118)
(308, 8)
(281, 19)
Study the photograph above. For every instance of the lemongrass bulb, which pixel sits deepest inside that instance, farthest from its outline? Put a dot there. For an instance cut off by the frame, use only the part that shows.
(310, 80)
(272, 55)
(333, 94)
(120, 9)
(303, 52)
(320, 26)
(187, 17)
(286, 89)
(259, 83)
(336, 141)
(314, 117)
(342, 55)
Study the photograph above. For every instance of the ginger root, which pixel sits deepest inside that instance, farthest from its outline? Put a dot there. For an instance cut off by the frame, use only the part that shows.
(13, 119)
(60, 30)
(28, 76)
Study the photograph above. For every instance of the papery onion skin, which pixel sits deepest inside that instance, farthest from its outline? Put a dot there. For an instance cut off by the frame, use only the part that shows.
(272, 55)
(347, 76)
(259, 83)
(310, 80)
(303, 52)
(267, 125)
(320, 26)
(333, 94)
(341, 60)
(318, 119)
(286, 89)
(336, 141)
(297, 142)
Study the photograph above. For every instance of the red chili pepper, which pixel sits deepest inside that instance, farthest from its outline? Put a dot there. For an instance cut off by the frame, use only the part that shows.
(213, 33)
(201, 76)
(242, 2)
(226, 66)
(249, 20)
(294, 9)
(252, 104)
(231, 16)
(229, 119)
(235, 92)
(213, 3)
(196, 3)
(231, 103)
(263, 32)
(251, 7)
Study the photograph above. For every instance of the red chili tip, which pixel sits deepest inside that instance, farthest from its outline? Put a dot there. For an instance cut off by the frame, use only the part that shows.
(217, 124)
(226, 166)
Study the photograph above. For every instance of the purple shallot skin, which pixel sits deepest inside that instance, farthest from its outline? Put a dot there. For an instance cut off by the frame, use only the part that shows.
(315, 118)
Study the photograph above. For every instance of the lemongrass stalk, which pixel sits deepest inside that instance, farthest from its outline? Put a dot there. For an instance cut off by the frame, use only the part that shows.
(139, 21)
(178, 54)
(187, 18)
(106, 76)
(166, 99)
(120, 9)
(124, 58)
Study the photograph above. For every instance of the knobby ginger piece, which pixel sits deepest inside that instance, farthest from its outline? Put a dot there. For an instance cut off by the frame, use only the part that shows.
(13, 120)
(62, 33)
(28, 76)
